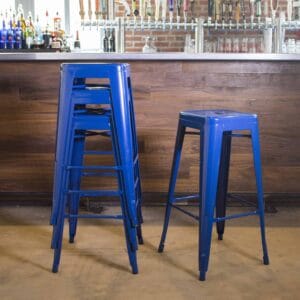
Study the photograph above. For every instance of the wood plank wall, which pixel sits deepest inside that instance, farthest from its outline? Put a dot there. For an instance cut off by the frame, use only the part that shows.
(28, 105)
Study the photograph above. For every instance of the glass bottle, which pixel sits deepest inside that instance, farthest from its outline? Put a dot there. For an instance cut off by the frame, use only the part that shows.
(57, 23)
(38, 34)
(3, 35)
(46, 34)
(10, 36)
(111, 42)
(18, 36)
(105, 41)
(29, 31)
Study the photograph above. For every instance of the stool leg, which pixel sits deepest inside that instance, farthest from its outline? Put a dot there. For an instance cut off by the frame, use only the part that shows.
(61, 177)
(211, 163)
(223, 182)
(58, 236)
(137, 165)
(121, 126)
(62, 142)
(129, 229)
(61, 182)
(259, 185)
(75, 179)
(131, 242)
(58, 194)
(174, 173)
(139, 213)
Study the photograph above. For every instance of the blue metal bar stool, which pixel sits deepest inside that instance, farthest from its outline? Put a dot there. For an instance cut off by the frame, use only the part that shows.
(85, 110)
(215, 129)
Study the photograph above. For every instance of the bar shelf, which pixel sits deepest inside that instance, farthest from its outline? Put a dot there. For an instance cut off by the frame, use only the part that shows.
(276, 28)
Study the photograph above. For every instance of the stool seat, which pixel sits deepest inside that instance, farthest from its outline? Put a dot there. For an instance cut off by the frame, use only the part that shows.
(228, 118)
(215, 130)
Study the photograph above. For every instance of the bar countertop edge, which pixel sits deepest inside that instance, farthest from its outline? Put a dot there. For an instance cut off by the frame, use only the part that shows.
(166, 56)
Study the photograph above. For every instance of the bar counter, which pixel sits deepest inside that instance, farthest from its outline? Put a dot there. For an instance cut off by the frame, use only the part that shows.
(164, 84)
(171, 56)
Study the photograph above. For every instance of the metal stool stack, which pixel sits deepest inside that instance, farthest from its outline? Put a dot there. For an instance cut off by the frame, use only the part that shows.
(216, 129)
(104, 109)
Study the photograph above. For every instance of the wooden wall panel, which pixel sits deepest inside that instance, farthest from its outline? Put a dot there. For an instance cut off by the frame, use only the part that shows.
(28, 104)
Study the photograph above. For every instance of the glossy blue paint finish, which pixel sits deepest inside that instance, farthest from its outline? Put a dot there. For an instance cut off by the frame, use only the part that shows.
(76, 122)
(215, 127)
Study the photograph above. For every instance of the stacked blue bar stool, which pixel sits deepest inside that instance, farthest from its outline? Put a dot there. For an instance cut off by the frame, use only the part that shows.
(216, 128)
(104, 108)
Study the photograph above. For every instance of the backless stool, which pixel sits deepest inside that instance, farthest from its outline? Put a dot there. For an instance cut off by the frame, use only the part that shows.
(85, 110)
(216, 129)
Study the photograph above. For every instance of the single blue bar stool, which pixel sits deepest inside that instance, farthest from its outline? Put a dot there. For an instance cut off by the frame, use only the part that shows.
(86, 109)
(216, 130)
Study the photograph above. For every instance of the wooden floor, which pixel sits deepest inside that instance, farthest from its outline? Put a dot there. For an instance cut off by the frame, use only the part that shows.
(96, 266)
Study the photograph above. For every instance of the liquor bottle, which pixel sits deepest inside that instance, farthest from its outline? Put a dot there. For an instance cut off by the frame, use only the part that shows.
(0, 29)
(46, 34)
(3, 36)
(18, 36)
(38, 34)
(47, 25)
(77, 41)
(29, 31)
(10, 36)
(57, 24)
(105, 41)
(111, 41)
(14, 21)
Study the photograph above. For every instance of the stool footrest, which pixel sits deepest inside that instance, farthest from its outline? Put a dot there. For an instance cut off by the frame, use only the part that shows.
(80, 134)
(186, 212)
(95, 193)
(99, 174)
(192, 132)
(94, 168)
(189, 197)
(232, 134)
(94, 216)
(241, 135)
(95, 152)
(252, 213)
(99, 95)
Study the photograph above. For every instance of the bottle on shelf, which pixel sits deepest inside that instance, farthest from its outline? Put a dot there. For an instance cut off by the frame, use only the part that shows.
(105, 41)
(57, 23)
(38, 34)
(10, 36)
(77, 41)
(18, 36)
(29, 31)
(47, 31)
(111, 41)
(3, 35)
